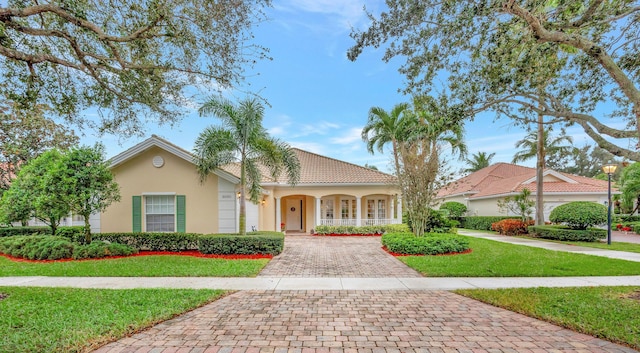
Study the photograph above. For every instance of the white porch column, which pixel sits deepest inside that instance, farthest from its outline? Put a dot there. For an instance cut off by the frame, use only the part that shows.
(278, 215)
(317, 212)
(392, 205)
(359, 211)
(399, 217)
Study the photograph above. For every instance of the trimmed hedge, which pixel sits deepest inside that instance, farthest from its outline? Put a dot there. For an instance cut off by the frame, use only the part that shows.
(99, 249)
(377, 229)
(565, 233)
(429, 244)
(65, 231)
(148, 241)
(481, 222)
(37, 247)
(579, 214)
(252, 243)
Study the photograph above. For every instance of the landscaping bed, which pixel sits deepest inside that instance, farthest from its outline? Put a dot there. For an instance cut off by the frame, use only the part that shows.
(403, 244)
(376, 230)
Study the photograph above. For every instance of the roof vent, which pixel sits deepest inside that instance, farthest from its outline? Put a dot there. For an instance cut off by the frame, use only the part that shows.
(158, 161)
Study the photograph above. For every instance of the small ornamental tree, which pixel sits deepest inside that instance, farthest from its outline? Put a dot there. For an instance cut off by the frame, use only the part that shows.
(43, 184)
(520, 205)
(579, 215)
(90, 183)
(15, 206)
(456, 209)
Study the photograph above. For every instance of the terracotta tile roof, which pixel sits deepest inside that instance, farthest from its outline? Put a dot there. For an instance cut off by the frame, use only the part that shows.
(317, 169)
(505, 178)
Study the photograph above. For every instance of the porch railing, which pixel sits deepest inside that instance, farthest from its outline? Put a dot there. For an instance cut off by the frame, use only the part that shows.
(354, 222)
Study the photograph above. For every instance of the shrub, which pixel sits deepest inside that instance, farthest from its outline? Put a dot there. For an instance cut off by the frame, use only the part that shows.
(377, 229)
(511, 226)
(579, 214)
(69, 231)
(252, 243)
(429, 244)
(99, 249)
(42, 247)
(567, 234)
(148, 241)
(13, 231)
(481, 222)
(456, 209)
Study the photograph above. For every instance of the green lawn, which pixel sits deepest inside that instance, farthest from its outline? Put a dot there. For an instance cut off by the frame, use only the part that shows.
(138, 266)
(606, 312)
(630, 247)
(72, 320)
(495, 259)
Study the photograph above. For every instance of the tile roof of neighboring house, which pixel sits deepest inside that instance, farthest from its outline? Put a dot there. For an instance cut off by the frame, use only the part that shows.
(505, 178)
(317, 169)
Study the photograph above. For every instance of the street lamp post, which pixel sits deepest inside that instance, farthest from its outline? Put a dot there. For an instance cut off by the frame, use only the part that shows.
(609, 169)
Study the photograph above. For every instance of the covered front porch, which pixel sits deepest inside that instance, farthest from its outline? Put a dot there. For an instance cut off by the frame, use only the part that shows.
(302, 213)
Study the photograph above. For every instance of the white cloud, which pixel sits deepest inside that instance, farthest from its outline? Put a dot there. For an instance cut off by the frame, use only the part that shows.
(313, 147)
(352, 136)
(339, 15)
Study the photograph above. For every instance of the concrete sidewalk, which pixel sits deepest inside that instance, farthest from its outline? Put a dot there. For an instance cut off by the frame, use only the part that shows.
(613, 254)
(320, 283)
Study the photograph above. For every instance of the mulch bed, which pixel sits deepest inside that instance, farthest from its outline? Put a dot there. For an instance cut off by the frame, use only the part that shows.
(447, 254)
(193, 253)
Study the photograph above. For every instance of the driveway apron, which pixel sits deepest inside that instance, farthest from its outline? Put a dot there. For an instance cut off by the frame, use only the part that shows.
(344, 321)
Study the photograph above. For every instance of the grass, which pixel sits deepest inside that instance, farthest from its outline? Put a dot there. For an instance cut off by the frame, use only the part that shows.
(494, 259)
(76, 320)
(610, 313)
(139, 266)
(618, 246)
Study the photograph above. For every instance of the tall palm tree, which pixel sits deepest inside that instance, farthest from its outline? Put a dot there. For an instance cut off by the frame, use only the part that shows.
(386, 127)
(242, 139)
(552, 145)
(478, 161)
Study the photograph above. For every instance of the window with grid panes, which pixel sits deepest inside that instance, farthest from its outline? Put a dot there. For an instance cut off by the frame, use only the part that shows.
(160, 213)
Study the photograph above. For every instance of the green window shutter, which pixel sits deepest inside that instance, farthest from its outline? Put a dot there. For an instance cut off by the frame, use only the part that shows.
(181, 221)
(137, 213)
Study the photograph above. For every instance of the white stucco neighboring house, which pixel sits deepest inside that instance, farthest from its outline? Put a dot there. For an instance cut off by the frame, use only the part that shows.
(480, 191)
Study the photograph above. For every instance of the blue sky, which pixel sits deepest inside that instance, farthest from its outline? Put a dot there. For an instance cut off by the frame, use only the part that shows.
(319, 99)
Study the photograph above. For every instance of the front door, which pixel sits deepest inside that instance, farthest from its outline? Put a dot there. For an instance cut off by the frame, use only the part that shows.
(294, 215)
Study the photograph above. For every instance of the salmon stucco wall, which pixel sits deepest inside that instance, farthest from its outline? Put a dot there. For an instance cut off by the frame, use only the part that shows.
(138, 176)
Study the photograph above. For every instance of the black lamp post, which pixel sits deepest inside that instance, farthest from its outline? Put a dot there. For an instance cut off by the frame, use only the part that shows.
(609, 169)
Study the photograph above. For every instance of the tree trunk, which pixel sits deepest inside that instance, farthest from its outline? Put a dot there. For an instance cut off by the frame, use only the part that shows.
(539, 173)
(87, 229)
(242, 220)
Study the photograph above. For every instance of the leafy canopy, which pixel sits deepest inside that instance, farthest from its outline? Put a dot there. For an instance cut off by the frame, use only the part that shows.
(133, 59)
(566, 60)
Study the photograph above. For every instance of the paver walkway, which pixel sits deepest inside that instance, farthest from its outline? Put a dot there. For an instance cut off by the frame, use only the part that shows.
(367, 321)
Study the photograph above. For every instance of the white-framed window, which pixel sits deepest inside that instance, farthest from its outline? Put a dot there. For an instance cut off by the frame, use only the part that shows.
(347, 209)
(327, 208)
(382, 209)
(376, 209)
(160, 213)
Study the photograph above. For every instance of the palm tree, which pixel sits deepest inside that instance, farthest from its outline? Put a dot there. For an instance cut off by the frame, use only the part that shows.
(478, 161)
(529, 144)
(242, 139)
(386, 127)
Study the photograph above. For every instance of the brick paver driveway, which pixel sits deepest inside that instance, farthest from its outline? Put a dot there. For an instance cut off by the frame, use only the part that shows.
(316, 256)
(352, 321)
(356, 321)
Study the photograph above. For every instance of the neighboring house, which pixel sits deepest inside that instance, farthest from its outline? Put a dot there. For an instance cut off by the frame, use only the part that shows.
(161, 191)
(480, 191)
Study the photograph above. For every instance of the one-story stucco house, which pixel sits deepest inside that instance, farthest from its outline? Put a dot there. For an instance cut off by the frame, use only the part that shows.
(161, 191)
(480, 191)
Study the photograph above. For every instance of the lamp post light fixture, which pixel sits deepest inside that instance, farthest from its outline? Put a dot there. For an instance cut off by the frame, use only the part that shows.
(609, 169)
